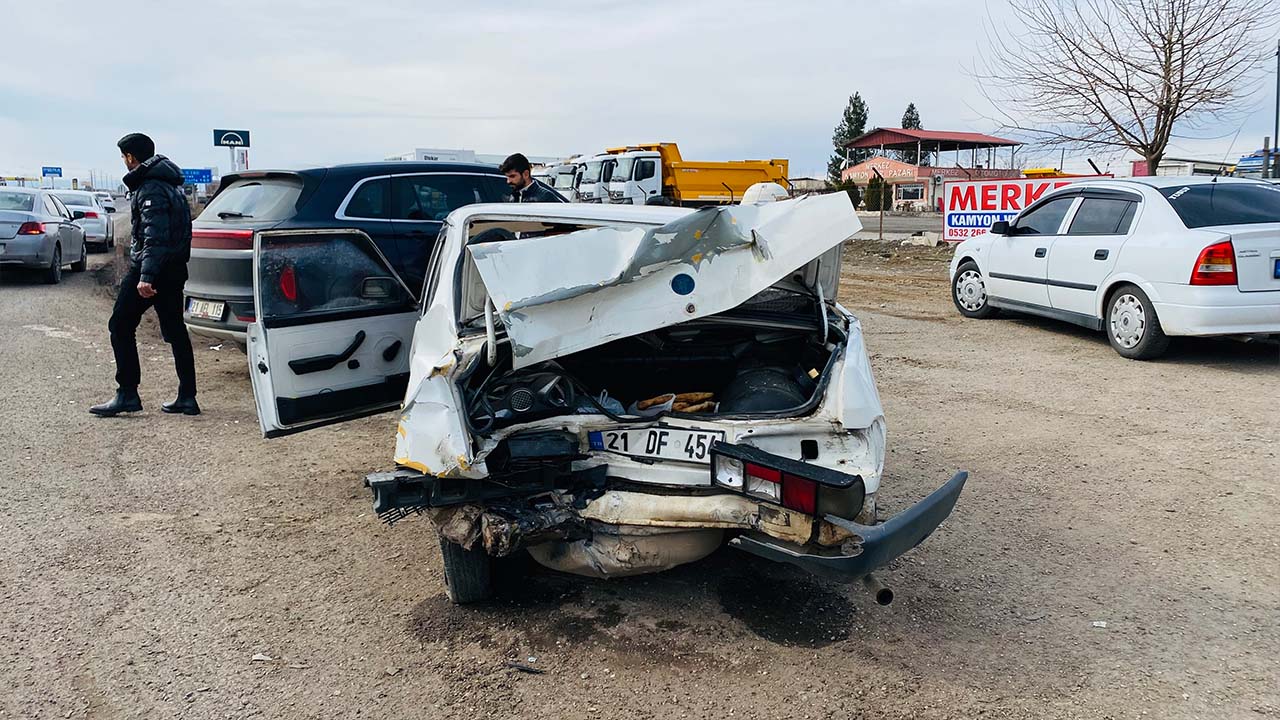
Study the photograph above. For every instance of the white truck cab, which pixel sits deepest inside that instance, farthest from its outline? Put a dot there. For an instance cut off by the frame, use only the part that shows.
(596, 174)
(637, 178)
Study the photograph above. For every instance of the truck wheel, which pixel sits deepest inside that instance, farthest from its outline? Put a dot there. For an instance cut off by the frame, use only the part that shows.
(1132, 326)
(969, 293)
(468, 574)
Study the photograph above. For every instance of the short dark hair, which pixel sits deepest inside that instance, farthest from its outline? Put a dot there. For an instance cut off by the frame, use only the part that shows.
(517, 162)
(138, 145)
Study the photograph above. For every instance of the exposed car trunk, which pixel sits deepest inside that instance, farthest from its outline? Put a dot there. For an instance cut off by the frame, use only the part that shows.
(733, 365)
(1257, 257)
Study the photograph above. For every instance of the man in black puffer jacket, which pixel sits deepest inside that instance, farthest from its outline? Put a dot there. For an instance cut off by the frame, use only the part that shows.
(157, 272)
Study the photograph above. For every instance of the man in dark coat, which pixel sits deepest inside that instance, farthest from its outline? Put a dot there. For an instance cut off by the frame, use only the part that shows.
(158, 258)
(524, 189)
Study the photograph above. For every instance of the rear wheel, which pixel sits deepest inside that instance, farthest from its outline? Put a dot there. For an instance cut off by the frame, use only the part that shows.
(53, 274)
(83, 263)
(468, 574)
(969, 292)
(1132, 326)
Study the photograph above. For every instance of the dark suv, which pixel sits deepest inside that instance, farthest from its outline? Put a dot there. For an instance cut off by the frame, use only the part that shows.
(400, 205)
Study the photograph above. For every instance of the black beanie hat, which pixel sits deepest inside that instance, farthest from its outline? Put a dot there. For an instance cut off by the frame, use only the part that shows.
(138, 145)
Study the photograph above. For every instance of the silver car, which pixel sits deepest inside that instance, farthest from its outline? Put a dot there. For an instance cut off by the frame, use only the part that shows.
(38, 232)
(89, 214)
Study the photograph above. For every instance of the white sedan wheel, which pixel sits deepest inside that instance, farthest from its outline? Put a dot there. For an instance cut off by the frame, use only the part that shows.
(1128, 321)
(970, 292)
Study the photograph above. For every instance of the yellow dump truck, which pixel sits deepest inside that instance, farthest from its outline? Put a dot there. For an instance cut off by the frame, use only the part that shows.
(657, 174)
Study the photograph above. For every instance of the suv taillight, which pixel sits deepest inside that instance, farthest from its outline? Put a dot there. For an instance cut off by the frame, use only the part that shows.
(31, 228)
(222, 239)
(1216, 265)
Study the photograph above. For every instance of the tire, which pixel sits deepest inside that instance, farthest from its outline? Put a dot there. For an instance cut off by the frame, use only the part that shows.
(1131, 324)
(468, 574)
(53, 274)
(969, 293)
(83, 263)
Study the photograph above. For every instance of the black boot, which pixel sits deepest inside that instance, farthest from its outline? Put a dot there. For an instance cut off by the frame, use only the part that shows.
(123, 402)
(184, 405)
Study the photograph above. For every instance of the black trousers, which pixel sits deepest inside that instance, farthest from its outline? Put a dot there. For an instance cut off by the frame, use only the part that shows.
(124, 328)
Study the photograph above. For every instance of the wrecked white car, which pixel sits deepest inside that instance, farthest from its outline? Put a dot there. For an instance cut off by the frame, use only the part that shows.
(615, 389)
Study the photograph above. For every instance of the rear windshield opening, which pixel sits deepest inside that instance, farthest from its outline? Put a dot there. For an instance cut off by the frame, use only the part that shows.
(1225, 203)
(257, 199)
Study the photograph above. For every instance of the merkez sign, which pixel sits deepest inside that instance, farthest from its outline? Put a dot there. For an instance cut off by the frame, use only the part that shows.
(970, 208)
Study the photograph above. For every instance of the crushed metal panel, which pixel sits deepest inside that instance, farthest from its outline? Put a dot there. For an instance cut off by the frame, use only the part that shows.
(564, 293)
(431, 437)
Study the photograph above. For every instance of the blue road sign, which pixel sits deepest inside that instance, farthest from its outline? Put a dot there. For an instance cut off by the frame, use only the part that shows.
(231, 138)
(48, 171)
(197, 176)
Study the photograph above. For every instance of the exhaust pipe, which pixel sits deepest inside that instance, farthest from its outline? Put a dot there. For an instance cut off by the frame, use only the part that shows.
(882, 594)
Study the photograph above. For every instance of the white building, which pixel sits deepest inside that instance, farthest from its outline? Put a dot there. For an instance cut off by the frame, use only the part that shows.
(468, 156)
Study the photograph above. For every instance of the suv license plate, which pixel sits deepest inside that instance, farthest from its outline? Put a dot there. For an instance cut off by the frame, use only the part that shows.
(685, 445)
(206, 309)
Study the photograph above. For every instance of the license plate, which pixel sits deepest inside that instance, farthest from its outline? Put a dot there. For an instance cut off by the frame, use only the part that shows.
(207, 309)
(1276, 273)
(658, 443)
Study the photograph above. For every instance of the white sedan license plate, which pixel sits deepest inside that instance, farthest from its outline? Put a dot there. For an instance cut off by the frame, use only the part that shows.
(207, 309)
(658, 443)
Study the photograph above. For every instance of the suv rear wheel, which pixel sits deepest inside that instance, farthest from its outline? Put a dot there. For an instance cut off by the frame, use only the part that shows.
(468, 574)
(1132, 326)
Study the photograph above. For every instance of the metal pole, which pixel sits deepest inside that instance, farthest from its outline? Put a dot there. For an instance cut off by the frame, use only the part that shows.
(1276, 134)
(881, 203)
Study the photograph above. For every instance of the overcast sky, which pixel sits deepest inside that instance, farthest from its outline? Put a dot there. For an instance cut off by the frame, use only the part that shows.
(326, 81)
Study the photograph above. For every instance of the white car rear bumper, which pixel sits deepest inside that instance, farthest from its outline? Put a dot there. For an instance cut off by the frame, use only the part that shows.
(1190, 310)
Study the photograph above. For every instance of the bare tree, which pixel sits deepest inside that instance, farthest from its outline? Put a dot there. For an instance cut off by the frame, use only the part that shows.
(1124, 73)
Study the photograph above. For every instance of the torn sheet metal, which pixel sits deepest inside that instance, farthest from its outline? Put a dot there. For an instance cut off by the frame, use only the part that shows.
(626, 550)
(621, 508)
(565, 293)
(430, 436)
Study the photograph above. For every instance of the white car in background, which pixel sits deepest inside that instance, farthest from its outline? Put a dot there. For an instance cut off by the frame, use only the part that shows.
(108, 202)
(1142, 259)
(87, 209)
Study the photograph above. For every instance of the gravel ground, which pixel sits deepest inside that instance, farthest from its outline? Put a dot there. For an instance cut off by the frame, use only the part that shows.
(157, 566)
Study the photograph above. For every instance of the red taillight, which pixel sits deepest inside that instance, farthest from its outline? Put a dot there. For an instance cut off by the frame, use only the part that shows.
(764, 473)
(222, 239)
(91, 214)
(1216, 265)
(799, 494)
(289, 284)
(31, 228)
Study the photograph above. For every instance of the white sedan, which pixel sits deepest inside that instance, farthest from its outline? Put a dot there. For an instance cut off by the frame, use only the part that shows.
(1141, 258)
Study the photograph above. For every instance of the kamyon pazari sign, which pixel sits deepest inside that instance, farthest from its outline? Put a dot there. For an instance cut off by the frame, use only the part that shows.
(971, 207)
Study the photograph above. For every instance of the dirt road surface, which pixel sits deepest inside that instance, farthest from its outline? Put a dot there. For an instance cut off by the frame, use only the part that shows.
(174, 567)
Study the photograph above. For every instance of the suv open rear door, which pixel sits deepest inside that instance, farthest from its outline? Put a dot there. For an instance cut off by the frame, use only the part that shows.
(333, 331)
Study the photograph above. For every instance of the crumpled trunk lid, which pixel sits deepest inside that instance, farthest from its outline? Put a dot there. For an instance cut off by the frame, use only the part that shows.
(561, 294)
